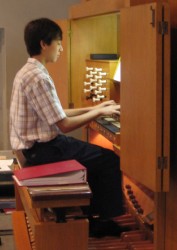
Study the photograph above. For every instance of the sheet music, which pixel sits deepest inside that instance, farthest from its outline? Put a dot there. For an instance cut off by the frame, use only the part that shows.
(5, 165)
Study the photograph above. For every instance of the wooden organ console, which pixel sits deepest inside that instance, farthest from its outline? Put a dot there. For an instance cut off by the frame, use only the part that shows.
(106, 131)
(133, 30)
(139, 200)
(138, 31)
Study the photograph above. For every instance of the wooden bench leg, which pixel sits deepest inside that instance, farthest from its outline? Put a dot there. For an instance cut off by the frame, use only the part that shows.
(72, 235)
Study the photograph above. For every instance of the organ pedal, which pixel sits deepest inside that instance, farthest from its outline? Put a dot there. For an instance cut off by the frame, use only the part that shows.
(139, 206)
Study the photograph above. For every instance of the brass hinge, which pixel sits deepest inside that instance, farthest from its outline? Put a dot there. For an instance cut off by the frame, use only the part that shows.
(162, 162)
(163, 28)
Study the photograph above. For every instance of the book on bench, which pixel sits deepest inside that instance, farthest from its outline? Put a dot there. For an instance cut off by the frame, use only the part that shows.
(60, 192)
(57, 173)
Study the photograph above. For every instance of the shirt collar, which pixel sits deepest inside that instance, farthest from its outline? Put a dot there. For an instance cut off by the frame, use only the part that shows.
(38, 64)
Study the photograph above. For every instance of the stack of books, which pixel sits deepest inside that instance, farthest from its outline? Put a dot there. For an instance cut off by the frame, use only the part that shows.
(64, 179)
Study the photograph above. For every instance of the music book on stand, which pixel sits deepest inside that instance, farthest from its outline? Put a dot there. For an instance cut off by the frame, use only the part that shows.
(57, 173)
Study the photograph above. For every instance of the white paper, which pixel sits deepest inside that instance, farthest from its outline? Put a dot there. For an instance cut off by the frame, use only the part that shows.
(4, 165)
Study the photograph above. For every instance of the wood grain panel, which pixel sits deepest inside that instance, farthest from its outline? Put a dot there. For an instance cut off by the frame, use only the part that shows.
(141, 94)
(90, 35)
(20, 231)
(95, 7)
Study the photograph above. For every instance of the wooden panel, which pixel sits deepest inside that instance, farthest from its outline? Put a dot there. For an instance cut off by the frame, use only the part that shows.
(59, 70)
(90, 35)
(20, 231)
(19, 204)
(97, 139)
(159, 226)
(95, 7)
(50, 235)
(166, 100)
(141, 94)
(64, 236)
(173, 10)
(138, 2)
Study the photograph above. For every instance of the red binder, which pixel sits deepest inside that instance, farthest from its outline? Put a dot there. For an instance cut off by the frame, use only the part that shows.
(57, 173)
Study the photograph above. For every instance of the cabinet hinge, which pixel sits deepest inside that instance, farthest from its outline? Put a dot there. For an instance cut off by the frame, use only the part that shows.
(163, 28)
(162, 162)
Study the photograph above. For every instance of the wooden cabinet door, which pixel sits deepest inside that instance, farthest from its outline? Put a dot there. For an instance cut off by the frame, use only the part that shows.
(145, 87)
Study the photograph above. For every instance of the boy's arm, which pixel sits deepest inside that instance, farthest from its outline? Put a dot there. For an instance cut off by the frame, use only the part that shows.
(73, 122)
(79, 111)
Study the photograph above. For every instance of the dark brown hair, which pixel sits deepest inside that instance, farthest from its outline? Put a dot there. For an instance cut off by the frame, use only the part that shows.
(38, 30)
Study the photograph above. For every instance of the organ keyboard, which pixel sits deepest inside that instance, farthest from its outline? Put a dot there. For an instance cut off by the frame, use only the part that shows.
(109, 127)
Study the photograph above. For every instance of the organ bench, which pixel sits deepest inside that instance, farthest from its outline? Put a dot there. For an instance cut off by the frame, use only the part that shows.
(35, 232)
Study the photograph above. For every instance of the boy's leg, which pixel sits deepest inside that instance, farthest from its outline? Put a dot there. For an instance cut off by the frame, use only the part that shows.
(103, 169)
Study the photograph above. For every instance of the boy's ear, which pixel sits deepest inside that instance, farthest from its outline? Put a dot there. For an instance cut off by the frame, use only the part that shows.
(43, 44)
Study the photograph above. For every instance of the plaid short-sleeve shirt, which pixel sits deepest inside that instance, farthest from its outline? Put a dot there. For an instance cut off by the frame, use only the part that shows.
(35, 107)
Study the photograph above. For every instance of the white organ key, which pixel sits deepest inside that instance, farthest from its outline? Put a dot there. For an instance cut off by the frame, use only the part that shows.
(102, 73)
(100, 96)
(97, 92)
(93, 80)
(98, 84)
(98, 69)
(98, 77)
(93, 72)
(92, 87)
(102, 89)
(94, 99)
(87, 83)
(89, 76)
(89, 68)
(102, 81)
(86, 90)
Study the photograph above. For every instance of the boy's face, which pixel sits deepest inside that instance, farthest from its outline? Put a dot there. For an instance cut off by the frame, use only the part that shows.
(52, 51)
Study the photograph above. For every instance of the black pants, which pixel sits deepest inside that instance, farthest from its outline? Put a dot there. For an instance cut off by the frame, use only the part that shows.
(103, 170)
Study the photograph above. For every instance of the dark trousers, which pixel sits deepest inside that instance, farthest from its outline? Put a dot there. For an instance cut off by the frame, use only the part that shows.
(103, 170)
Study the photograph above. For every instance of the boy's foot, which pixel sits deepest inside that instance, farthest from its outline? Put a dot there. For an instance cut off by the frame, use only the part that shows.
(100, 228)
